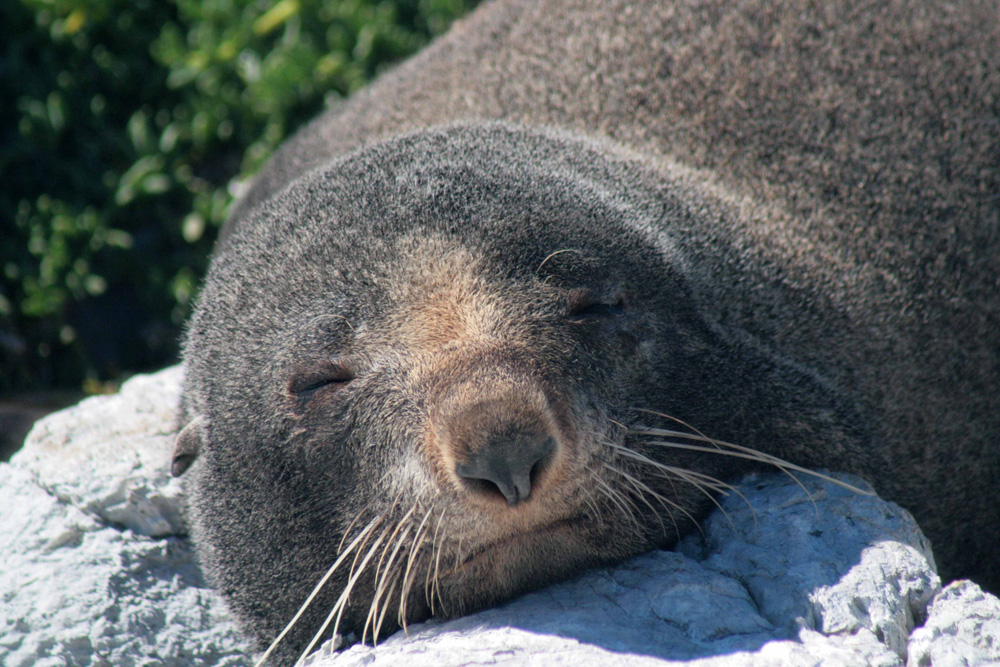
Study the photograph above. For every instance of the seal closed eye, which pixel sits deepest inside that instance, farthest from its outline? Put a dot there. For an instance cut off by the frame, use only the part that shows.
(428, 357)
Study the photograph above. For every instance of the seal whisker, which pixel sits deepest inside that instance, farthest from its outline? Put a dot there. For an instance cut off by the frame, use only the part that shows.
(340, 605)
(368, 506)
(319, 586)
(698, 479)
(665, 472)
(681, 474)
(668, 478)
(699, 435)
(760, 457)
(721, 445)
(616, 498)
(641, 490)
(395, 541)
(635, 488)
(717, 485)
(388, 595)
(739, 451)
(699, 482)
(709, 482)
(338, 608)
(373, 604)
(437, 545)
(558, 252)
(428, 576)
(592, 504)
(412, 566)
(382, 576)
(384, 516)
(415, 556)
(674, 472)
(347, 531)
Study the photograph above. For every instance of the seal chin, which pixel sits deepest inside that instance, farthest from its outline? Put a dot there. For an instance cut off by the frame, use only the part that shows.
(499, 571)
(520, 546)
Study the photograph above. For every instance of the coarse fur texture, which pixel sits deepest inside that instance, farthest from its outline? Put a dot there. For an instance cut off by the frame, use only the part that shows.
(432, 329)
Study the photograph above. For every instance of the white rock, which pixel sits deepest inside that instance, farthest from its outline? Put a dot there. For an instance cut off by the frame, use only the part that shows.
(77, 591)
(779, 578)
(97, 571)
(962, 628)
(836, 562)
(110, 455)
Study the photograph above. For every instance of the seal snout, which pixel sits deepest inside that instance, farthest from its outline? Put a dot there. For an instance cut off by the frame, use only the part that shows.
(510, 461)
(498, 446)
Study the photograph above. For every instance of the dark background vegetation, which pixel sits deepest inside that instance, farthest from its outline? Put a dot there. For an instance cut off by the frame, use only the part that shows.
(126, 127)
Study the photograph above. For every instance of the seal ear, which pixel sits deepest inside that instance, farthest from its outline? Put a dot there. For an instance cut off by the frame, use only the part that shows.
(187, 446)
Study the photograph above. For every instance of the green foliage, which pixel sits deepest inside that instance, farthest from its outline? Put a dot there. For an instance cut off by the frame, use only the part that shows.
(124, 126)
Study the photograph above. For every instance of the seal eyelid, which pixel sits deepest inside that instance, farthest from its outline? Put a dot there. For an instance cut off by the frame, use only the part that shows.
(309, 381)
(587, 304)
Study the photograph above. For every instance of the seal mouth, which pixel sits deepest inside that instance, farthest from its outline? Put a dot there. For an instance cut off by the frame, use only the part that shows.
(515, 543)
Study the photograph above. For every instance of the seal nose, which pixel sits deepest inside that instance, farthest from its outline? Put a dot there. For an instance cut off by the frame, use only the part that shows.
(510, 462)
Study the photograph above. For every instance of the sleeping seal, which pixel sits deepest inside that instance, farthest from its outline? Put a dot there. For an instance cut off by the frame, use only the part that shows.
(520, 307)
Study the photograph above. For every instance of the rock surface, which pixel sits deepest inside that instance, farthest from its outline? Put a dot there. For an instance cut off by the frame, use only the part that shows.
(832, 577)
(962, 628)
(110, 455)
(97, 571)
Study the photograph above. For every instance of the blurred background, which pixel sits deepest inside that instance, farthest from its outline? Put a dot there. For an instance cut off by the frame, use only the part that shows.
(126, 128)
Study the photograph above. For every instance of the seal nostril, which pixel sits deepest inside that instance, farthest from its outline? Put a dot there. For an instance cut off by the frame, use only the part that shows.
(543, 462)
(484, 487)
(510, 464)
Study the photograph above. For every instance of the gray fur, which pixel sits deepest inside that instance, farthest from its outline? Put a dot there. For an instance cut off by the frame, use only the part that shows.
(803, 198)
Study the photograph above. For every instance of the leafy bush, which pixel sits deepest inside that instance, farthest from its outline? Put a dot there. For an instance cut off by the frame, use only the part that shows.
(125, 127)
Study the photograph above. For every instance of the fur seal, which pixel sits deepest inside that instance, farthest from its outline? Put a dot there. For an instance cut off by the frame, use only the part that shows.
(495, 319)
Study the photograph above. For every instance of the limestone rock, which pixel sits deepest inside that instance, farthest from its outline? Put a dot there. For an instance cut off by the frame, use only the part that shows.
(962, 628)
(110, 455)
(77, 591)
(784, 575)
(97, 570)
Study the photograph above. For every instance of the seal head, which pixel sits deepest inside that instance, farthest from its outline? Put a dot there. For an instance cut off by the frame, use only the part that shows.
(428, 363)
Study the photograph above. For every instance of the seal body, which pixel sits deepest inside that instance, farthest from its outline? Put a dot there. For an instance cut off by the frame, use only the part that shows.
(494, 320)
